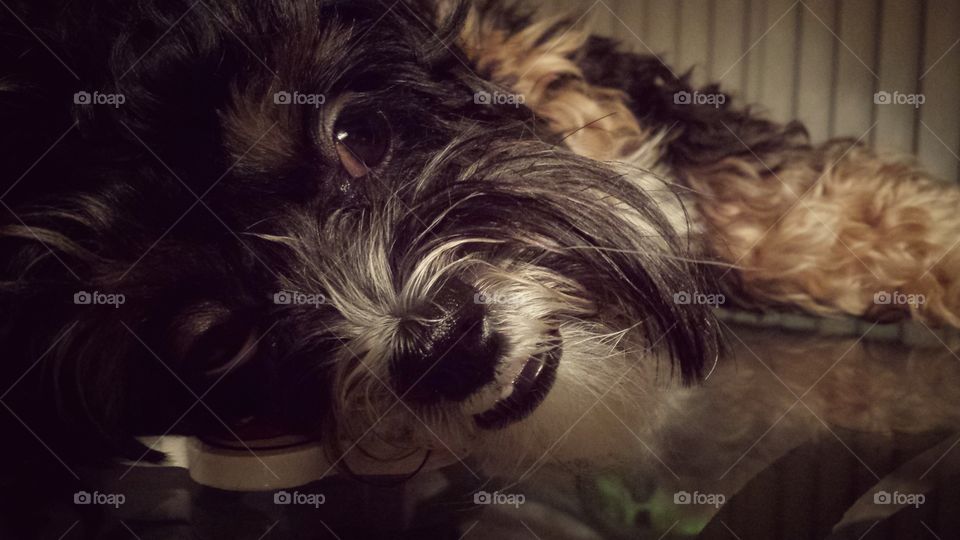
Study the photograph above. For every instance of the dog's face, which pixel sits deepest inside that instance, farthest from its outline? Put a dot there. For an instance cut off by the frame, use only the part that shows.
(316, 225)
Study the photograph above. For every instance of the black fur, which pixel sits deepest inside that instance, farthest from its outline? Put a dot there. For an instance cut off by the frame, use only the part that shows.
(113, 208)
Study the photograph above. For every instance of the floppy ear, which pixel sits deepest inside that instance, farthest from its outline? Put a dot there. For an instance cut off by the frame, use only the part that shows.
(535, 61)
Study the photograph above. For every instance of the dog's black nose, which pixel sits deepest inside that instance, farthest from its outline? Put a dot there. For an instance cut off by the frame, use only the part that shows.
(448, 351)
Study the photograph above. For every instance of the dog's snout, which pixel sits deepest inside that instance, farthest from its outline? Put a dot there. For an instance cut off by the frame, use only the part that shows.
(449, 351)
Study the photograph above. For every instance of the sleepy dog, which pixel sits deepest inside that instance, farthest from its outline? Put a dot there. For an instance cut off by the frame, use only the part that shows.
(425, 228)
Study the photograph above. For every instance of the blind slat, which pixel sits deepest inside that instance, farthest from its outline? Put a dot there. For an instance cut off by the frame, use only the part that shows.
(663, 24)
(939, 135)
(695, 47)
(728, 30)
(856, 66)
(814, 93)
(899, 74)
(779, 58)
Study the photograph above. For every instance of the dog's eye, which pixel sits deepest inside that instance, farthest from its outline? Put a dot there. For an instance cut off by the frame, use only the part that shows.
(362, 141)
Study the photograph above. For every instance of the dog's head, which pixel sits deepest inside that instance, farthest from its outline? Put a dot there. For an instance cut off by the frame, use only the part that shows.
(314, 216)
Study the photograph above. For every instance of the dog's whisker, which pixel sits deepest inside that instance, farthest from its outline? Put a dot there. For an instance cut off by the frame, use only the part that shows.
(256, 223)
(587, 125)
(701, 261)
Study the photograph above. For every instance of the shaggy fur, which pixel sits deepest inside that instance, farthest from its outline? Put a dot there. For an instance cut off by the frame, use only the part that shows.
(201, 197)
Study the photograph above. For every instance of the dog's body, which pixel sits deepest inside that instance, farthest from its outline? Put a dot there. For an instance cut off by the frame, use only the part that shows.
(452, 249)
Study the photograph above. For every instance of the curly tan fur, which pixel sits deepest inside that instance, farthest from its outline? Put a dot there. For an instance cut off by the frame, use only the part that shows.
(536, 63)
(837, 225)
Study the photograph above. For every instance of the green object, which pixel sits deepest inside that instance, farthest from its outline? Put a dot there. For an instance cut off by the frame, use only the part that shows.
(620, 509)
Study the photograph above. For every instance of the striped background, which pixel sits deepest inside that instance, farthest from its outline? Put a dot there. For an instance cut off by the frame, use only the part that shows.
(820, 61)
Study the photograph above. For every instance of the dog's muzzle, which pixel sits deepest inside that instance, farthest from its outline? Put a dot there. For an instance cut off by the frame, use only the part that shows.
(450, 352)
(447, 352)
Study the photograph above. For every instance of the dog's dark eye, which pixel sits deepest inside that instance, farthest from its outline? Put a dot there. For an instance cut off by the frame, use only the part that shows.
(362, 141)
